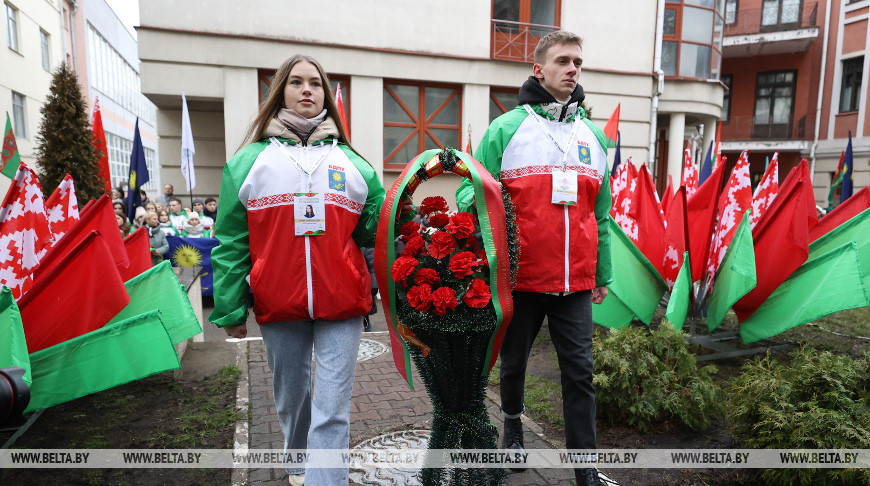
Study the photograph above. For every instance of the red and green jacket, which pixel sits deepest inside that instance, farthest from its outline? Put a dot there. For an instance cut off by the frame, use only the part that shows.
(563, 248)
(294, 278)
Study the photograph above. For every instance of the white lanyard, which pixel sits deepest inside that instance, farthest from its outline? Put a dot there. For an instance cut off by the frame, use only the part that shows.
(549, 135)
(308, 172)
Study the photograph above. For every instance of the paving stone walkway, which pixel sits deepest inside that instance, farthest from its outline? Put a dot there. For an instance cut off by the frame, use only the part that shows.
(382, 403)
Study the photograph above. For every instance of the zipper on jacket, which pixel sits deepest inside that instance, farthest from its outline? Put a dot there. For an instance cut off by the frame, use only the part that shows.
(567, 252)
(308, 279)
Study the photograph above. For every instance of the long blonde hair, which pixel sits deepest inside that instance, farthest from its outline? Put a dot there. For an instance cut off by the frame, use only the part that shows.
(275, 101)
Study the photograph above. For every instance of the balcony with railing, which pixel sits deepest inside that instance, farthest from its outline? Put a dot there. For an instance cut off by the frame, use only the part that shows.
(516, 41)
(769, 127)
(780, 27)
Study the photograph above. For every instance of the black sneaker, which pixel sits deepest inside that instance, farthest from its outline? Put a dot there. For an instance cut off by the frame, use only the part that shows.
(593, 477)
(513, 438)
(367, 324)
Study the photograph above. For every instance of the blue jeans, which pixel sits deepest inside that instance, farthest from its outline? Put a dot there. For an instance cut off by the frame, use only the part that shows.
(318, 419)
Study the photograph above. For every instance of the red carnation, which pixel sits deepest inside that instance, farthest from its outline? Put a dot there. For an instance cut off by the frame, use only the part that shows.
(413, 246)
(463, 264)
(461, 225)
(420, 297)
(403, 267)
(438, 220)
(432, 204)
(443, 299)
(478, 294)
(441, 244)
(409, 229)
(427, 276)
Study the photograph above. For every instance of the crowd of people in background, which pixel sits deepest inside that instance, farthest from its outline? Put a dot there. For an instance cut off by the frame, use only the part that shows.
(165, 214)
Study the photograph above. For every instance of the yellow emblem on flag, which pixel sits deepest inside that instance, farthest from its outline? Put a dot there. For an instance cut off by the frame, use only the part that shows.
(186, 256)
(133, 181)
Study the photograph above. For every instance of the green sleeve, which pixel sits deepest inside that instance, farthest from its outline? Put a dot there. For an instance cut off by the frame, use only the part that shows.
(367, 227)
(490, 152)
(603, 202)
(231, 259)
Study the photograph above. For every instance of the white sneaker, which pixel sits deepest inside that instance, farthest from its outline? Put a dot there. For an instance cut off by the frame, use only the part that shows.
(296, 479)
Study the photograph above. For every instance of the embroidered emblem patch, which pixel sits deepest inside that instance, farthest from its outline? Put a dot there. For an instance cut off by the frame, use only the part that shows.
(585, 156)
(337, 180)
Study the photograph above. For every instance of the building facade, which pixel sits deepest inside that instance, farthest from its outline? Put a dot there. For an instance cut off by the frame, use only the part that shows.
(797, 76)
(104, 55)
(416, 76)
(32, 36)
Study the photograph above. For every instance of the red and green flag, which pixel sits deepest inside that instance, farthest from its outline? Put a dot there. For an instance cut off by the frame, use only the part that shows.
(611, 129)
(736, 275)
(681, 295)
(13, 346)
(10, 158)
(102, 148)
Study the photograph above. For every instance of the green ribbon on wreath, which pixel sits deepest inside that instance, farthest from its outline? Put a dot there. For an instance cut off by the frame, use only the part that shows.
(493, 221)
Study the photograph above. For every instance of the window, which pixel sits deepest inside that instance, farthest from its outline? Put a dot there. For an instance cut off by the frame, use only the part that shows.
(692, 38)
(113, 77)
(19, 115)
(120, 150)
(774, 103)
(850, 90)
(780, 13)
(501, 100)
(45, 48)
(730, 12)
(419, 117)
(728, 81)
(12, 27)
(517, 25)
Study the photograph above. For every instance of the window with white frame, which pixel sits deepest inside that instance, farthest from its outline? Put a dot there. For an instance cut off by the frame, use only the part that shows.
(19, 115)
(120, 149)
(116, 79)
(850, 89)
(730, 12)
(11, 27)
(45, 49)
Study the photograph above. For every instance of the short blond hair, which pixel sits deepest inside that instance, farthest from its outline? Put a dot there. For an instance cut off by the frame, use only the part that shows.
(553, 38)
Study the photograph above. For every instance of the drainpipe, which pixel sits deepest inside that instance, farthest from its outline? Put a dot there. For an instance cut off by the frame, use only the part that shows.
(62, 36)
(659, 77)
(821, 90)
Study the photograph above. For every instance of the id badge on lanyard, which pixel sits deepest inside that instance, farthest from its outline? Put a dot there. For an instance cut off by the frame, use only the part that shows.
(564, 187)
(309, 214)
(309, 208)
(564, 180)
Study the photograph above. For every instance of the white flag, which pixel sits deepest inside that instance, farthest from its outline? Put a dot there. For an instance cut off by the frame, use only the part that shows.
(187, 149)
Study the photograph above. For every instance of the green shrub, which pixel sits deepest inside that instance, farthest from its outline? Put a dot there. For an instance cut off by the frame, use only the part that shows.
(644, 377)
(819, 400)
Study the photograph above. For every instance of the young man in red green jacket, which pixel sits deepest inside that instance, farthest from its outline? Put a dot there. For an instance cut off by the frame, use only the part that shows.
(553, 161)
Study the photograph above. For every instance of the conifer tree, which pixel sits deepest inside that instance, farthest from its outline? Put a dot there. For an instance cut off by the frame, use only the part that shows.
(65, 143)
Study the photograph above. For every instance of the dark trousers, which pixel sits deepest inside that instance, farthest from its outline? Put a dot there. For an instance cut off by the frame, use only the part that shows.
(570, 321)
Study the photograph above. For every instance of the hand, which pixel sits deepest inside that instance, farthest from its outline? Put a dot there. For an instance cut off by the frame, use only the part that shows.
(406, 208)
(598, 294)
(238, 332)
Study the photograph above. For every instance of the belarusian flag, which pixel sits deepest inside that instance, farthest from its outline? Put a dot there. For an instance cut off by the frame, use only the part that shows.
(736, 276)
(690, 175)
(62, 208)
(676, 238)
(611, 129)
(637, 286)
(836, 277)
(10, 158)
(681, 295)
(842, 213)
(701, 209)
(13, 346)
(734, 202)
(647, 212)
(78, 294)
(766, 191)
(836, 181)
(102, 148)
(25, 235)
(138, 252)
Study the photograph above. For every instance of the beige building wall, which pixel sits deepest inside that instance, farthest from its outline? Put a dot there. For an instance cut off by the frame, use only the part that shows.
(212, 55)
(22, 71)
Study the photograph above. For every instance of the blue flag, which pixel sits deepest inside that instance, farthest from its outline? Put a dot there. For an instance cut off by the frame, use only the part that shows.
(138, 174)
(707, 168)
(618, 158)
(847, 171)
(193, 252)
